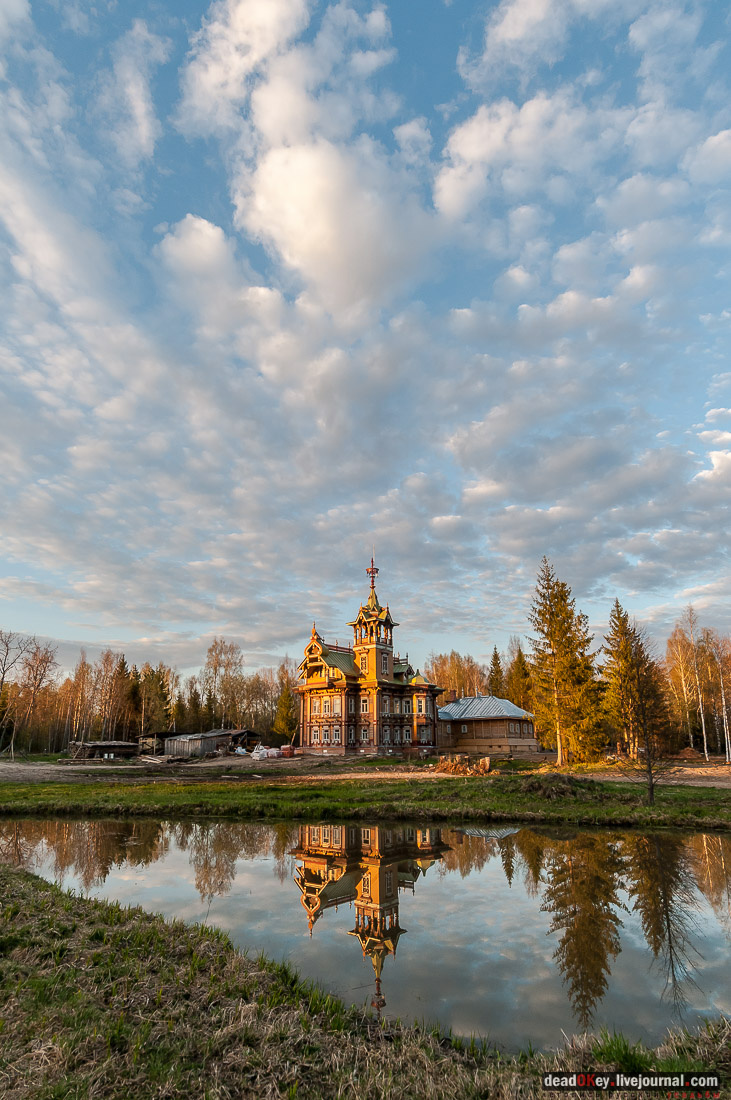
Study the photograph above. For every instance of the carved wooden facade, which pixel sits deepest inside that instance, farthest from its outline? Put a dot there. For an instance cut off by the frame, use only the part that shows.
(363, 698)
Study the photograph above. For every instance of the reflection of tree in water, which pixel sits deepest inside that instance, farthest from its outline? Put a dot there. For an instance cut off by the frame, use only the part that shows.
(531, 849)
(507, 856)
(582, 885)
(466, 853)
(661, 882)
(215, 847)
(711, 861)
(283, 840)
(88, 849)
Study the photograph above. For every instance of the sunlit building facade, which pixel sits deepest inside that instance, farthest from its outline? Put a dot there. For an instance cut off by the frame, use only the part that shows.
(364, 698)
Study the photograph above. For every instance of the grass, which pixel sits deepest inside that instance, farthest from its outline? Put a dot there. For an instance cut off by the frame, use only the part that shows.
(530, 798)
(99, 1000)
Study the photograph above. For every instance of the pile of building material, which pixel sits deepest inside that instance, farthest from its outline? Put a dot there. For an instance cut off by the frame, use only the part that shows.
(459, 764)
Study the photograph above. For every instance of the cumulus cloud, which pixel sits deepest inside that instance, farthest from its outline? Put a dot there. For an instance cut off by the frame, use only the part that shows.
(513, 149)
(234, 41)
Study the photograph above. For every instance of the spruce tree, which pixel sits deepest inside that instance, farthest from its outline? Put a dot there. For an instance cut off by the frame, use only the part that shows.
(495, 678)
(565, 691)
(518, 681)
(620, 694)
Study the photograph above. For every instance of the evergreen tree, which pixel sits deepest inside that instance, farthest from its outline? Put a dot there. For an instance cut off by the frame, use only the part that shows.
(618, 673)
(495, 679)
(518, 681)
(565, 691)
(286, 720)
(635, 701)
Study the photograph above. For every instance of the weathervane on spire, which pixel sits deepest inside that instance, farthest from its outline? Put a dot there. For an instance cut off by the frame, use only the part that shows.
(372, 573)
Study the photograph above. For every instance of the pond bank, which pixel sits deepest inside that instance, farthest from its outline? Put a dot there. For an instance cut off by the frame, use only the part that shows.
(534, 799)
(104, 1000)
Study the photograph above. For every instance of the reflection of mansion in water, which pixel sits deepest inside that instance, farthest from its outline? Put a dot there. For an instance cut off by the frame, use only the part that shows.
(363, 698)
(366, 867)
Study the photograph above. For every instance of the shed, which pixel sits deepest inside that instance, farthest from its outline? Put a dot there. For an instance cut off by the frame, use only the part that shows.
(106, 750)
(196, 744)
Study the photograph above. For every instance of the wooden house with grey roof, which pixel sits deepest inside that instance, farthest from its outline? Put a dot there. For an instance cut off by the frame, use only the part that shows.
(485, 725)
(364, 698)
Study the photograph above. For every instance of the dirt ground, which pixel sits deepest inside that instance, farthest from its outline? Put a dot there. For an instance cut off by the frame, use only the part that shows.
(714, 773)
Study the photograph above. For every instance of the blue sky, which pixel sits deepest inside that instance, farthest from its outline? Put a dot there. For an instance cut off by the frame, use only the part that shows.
(284, 280)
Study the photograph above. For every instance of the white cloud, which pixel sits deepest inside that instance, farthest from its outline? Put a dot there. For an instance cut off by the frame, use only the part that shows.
(503, 147)
(126, 100)
(231, 46)
(12, 13)
(711, 161)
(338, 217)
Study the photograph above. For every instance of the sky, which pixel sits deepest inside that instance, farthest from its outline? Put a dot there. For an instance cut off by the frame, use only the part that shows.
(284, 281)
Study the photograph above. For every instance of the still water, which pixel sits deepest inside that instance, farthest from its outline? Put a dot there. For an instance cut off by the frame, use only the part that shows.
(512, 934)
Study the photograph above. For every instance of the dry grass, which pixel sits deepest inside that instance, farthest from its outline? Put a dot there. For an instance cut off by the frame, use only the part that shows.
(100, 1001)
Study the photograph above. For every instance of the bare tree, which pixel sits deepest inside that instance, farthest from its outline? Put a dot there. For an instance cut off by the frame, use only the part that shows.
(37, 668)
(691, 619)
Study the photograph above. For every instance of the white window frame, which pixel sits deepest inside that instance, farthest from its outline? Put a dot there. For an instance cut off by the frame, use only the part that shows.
(337, 705)
(420, 705)
(315, 706)
(351, 735)
(326, 705)
(315, 735)
(384, 664)
(407, 706)
(364, 705)
(351, 704)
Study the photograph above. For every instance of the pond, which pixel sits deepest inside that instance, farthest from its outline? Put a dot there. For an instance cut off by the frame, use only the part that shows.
(513, 934)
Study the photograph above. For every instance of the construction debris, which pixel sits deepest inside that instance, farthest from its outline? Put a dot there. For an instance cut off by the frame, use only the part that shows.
(459, 764)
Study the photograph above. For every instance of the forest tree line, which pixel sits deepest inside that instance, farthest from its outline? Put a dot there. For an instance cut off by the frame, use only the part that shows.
(585, 697)
(109, 700)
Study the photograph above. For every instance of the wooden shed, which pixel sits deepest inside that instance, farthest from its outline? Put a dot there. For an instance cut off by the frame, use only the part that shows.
(196, 744)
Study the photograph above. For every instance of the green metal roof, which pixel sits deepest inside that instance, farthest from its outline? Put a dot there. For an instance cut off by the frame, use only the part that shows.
(344, 661)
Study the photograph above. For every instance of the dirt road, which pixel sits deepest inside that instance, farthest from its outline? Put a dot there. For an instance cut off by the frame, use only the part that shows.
(715, 773)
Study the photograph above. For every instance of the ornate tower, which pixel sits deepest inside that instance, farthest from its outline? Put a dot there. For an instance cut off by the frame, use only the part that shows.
(373, 635)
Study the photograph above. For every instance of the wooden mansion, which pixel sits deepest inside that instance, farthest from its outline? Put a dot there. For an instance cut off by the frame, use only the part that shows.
(363, 698)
